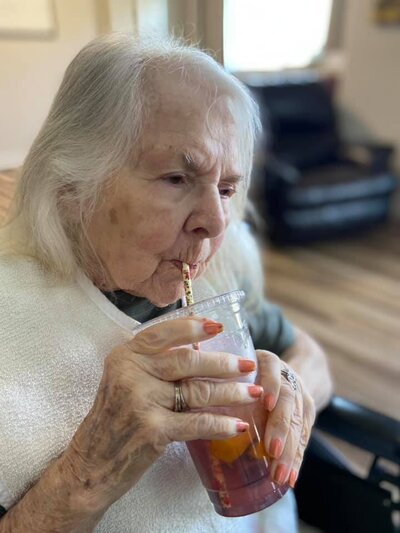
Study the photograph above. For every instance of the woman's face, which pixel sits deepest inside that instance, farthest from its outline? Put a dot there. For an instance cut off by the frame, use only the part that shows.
(174, 205)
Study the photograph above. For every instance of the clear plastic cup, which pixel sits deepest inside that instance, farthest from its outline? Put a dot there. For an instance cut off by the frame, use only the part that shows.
(235, 471)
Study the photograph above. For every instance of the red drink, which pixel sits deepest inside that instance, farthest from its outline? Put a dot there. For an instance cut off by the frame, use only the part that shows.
(236, 473)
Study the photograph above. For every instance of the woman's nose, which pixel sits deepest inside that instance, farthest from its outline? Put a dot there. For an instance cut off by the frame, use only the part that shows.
(208, 218)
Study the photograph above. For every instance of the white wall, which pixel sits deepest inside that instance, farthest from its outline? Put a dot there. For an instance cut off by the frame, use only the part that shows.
(30, 73)
(31, 70)
(370, 87)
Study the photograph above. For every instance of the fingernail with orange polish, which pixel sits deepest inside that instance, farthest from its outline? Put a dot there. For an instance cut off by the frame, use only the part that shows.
(255, 391)
(241, 427)
(293, 478)
(275, 448)
(281, 474)
(246, 365)
(269, 401)
(212, 328)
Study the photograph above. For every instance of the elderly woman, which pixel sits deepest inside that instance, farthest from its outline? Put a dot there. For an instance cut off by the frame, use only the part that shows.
(141, 164)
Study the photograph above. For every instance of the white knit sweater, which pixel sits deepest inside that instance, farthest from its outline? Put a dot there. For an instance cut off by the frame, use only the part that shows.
(53, 339)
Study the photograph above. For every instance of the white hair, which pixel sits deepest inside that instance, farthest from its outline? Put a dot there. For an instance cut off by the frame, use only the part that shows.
(94, 129)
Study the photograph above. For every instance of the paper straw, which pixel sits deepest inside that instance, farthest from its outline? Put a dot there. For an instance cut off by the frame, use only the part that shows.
(216, 466)
(187, 284)
(188, 300)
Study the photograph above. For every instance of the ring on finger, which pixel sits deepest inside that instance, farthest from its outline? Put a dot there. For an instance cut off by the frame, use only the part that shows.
(290, 376)
(180, 404)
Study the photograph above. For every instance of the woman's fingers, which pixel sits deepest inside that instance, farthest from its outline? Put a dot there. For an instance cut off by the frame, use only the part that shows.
(285, 419)
(193, 426)
(186, 362)
(173, 333)
(282, 464)
(269, 376)
(282, 420)
(200, 394)
(308, 422)
(286, 465)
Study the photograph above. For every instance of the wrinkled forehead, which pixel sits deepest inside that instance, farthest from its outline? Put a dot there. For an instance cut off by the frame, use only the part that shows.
(192, 118)
(177, 99)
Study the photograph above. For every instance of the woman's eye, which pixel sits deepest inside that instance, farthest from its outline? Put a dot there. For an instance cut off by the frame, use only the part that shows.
(175, 179)
(227, 192)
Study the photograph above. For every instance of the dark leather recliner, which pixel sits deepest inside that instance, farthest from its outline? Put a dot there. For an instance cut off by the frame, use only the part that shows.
(313, 185)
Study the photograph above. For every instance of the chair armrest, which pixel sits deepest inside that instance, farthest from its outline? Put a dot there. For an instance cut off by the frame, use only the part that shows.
(358, 425)
(375, 155)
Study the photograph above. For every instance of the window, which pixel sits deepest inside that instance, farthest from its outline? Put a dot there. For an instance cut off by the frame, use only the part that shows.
(267, 35)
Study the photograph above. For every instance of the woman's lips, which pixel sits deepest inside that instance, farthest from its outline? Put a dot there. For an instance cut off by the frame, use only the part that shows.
(193, 267)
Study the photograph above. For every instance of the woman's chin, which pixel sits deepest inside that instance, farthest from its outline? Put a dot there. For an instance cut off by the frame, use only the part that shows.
(166, 297)
(172, 290)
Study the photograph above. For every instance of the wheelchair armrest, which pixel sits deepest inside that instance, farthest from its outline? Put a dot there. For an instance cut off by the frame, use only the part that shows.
(358, 425)
(376, 156)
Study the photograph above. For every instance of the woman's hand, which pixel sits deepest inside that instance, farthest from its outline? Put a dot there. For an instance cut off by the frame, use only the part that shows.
(132, 419)
(290, 419)
(131, 422)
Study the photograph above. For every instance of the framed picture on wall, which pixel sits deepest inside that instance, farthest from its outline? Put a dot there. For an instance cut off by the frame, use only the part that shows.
(27, 19)
(387, 12)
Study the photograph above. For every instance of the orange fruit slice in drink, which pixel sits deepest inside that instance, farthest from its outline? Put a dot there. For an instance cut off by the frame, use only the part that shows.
(228, 450)
(257, 450)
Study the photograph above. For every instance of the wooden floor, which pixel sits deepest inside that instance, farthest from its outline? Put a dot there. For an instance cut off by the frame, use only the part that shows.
(347, 295)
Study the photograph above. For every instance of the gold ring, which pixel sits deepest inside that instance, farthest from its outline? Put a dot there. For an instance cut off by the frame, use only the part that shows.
(180, 404)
